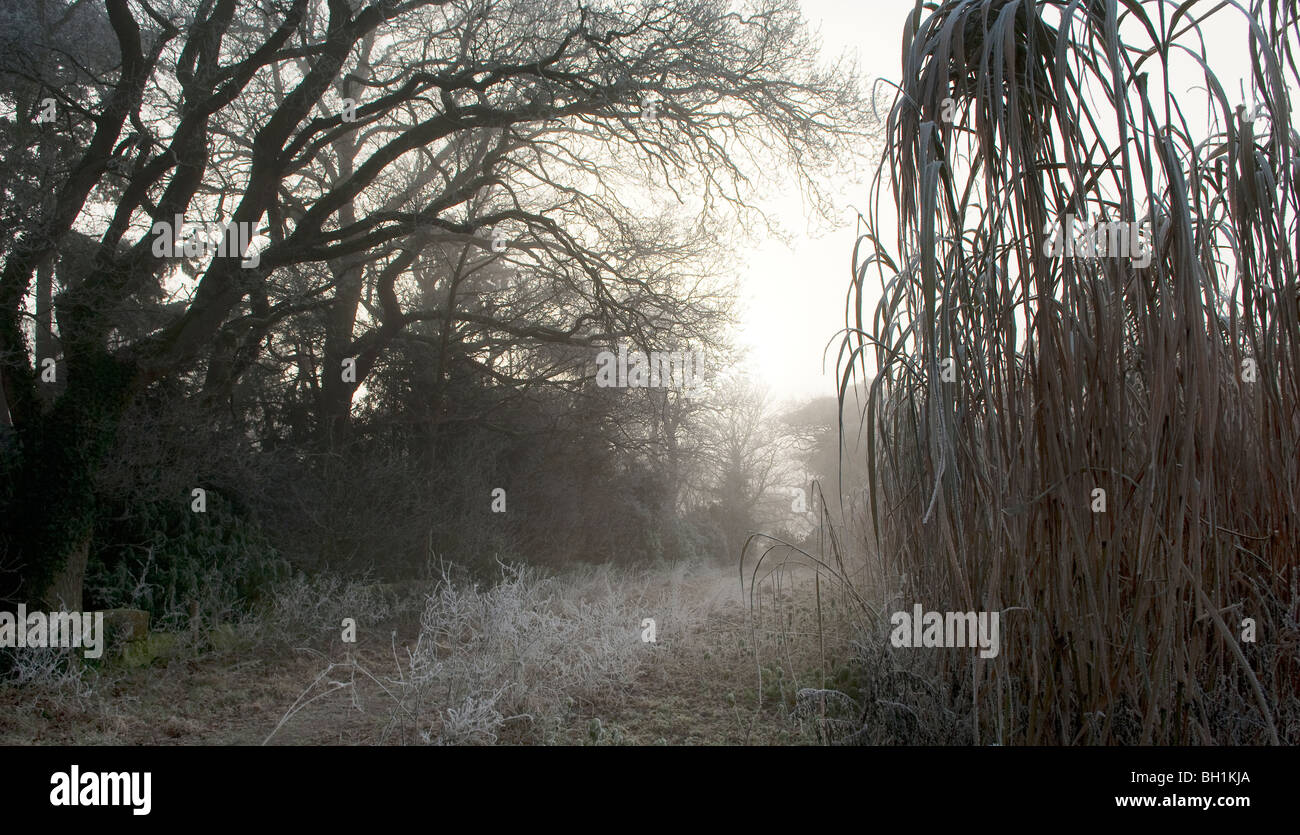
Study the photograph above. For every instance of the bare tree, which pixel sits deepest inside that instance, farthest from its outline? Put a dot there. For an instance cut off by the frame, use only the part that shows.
(232, 110)
(745, 458)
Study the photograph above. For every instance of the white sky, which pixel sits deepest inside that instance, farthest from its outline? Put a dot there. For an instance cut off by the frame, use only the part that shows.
(792, 298)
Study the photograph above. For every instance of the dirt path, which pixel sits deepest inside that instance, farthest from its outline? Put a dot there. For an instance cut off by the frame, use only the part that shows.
(703, 687)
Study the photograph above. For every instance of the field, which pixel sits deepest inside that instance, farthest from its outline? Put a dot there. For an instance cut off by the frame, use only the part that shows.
(557, 660)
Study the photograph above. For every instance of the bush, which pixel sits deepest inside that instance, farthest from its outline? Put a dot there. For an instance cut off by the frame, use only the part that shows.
(510, 662)
(175, 563)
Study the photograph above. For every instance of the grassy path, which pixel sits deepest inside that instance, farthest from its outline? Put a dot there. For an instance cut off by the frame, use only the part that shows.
(698, 684)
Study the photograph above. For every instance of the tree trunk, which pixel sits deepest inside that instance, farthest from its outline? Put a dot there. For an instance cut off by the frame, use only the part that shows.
(64, 592)
(61, 453)
(336, 394)
(45, 323)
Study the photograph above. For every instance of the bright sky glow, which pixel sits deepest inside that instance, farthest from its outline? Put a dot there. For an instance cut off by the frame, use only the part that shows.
(792, 297)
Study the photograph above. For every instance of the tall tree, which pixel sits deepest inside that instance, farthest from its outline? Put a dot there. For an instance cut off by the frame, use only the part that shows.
(235, 110)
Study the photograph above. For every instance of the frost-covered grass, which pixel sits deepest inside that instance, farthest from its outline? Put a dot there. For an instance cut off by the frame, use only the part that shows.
(510, 661)
(305, 607)
(530, 657)
(50, 669)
